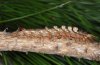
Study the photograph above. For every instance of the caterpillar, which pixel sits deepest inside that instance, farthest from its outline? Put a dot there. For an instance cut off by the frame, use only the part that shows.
(61, 41)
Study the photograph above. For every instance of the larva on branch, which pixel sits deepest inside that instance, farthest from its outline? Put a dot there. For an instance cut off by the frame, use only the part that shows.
(61, 41)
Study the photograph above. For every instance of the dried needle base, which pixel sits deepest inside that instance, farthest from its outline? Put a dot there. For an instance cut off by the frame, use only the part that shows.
(60, 41)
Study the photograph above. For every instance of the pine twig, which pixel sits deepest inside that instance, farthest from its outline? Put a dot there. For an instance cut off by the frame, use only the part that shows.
(60, 41)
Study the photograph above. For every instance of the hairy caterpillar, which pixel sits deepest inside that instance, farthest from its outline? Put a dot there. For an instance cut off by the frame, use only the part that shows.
(61, 41)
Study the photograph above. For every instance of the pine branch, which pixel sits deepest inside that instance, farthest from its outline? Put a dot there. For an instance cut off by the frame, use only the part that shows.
(60, 41)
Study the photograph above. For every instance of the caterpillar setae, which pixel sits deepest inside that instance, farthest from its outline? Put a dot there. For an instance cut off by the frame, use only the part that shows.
(61, 41)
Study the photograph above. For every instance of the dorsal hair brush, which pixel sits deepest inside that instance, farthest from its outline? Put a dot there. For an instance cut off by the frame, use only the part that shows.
(61, 41)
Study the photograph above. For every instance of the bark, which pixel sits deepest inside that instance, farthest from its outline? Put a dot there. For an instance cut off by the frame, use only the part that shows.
(60, 41)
